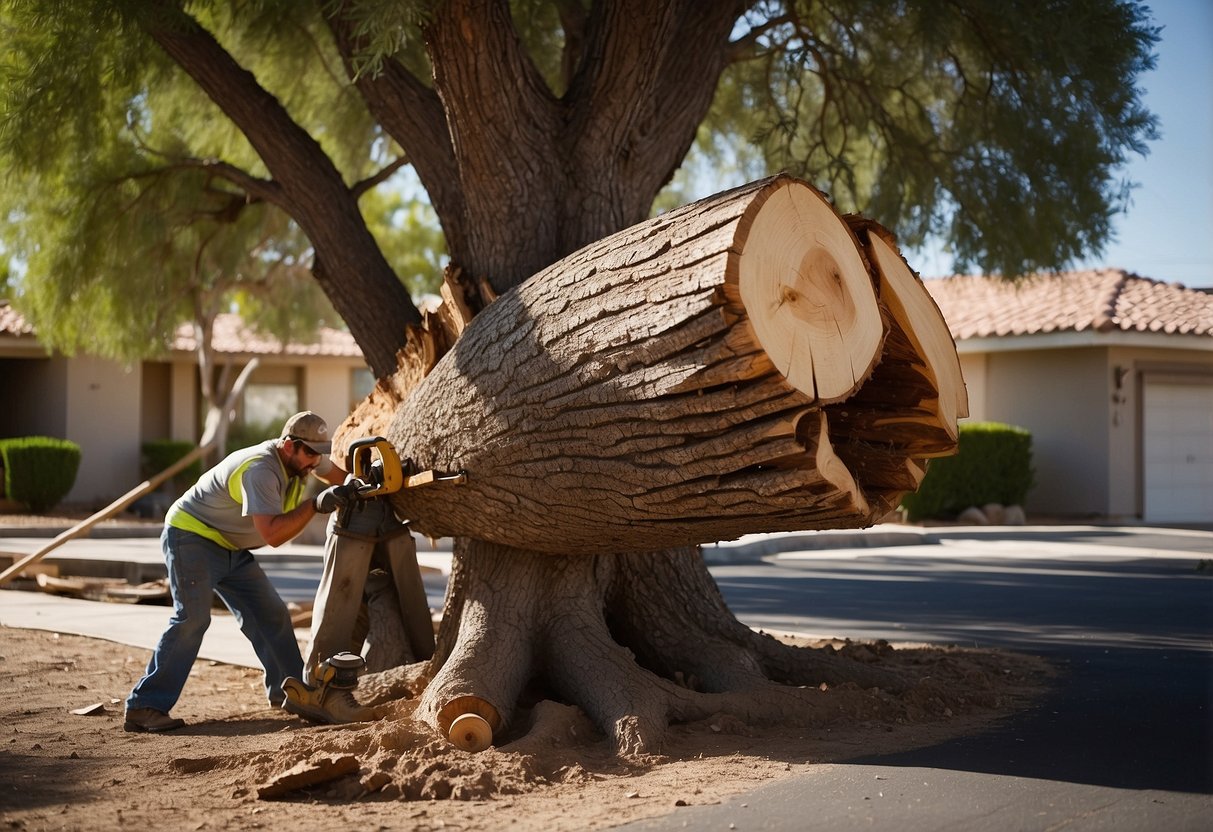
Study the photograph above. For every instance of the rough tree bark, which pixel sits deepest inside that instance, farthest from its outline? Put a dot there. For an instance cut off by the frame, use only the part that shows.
(661, 387)
(747, 363)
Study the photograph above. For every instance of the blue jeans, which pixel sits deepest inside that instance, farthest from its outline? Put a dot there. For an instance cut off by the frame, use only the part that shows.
(198, 567)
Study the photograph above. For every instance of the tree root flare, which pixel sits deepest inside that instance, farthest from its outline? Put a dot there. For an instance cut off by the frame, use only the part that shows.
(638, 642)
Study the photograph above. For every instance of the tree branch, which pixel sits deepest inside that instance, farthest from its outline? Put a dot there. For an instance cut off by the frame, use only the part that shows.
(384, 174)
(505, 125)
(411, 113)
(687, 79)
(313, 191)
(742, 48)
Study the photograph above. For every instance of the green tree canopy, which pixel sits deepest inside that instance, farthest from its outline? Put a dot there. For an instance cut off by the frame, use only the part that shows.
(117, 221)
(999, 127)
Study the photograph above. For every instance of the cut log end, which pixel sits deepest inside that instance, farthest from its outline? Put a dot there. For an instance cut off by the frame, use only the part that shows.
(926, 329)
(807, 293)
(469, 722)
(470, 732)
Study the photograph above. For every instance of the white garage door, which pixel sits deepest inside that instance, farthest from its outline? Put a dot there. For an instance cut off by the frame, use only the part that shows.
(1177, 426)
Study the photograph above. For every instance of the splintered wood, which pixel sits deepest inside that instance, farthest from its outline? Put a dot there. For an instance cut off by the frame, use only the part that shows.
(751, 362)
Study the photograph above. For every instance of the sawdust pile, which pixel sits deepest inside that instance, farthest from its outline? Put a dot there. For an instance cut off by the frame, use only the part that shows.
(554, 744)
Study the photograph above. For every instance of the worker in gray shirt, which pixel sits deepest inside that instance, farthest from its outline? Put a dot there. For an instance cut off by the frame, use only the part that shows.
(253, 498)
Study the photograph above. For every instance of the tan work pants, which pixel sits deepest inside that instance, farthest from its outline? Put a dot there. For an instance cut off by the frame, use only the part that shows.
(373, 539)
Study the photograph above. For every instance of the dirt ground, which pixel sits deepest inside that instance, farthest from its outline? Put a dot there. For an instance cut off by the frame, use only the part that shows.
(236, 763)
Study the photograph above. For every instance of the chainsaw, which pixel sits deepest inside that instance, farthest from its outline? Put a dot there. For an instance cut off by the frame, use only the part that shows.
(377, 471)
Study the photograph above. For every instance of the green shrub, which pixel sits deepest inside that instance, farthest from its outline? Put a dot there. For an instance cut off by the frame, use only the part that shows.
(39, 470)
(993, 465)
(248, 434)
(158, 454)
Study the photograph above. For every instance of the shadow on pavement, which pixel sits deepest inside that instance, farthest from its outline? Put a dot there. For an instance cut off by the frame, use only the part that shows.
(1132, 706)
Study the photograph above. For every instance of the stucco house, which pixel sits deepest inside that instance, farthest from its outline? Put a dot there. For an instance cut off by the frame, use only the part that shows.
(1113, 375)
(1111, 372)
(111, 409)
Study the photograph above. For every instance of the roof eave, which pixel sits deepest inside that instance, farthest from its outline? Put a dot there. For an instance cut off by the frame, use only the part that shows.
(1087, 338)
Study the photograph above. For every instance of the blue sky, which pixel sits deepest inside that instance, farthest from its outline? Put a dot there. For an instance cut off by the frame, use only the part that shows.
(1167, 231)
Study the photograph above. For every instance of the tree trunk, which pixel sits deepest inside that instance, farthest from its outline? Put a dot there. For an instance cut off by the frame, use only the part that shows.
(751, 362)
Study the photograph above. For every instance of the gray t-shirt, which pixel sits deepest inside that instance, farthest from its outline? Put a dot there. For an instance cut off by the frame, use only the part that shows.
(221, 504)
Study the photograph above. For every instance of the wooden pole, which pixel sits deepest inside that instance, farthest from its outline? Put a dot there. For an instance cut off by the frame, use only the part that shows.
(113, 508)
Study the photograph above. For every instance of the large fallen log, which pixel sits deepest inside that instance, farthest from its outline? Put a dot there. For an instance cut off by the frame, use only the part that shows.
(751, 362)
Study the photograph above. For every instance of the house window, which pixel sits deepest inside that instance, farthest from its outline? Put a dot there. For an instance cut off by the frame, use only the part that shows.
(268, 405)
(361, 384)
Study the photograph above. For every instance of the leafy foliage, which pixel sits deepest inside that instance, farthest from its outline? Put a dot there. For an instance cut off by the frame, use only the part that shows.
(246, 434)
(116, 218)
(160, 454)
(998, 125)
(409, 233)
(993, 464)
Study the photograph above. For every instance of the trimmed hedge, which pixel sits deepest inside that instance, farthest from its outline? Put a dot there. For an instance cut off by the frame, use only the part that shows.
(993, 465)
(39, 470)
(248, 434)
(158, 454)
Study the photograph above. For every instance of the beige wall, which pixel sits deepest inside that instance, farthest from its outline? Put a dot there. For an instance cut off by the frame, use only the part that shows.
(103, 406)
(1060, 395)
(326, 390)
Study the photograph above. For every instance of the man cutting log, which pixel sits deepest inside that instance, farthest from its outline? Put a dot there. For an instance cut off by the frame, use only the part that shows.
(253, 498)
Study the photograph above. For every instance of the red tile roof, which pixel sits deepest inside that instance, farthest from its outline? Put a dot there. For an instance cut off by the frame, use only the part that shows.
(1104, 300)
(230, 337)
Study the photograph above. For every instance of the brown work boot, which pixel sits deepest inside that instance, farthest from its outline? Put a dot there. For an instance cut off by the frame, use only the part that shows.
(324, 703)
(150, 720)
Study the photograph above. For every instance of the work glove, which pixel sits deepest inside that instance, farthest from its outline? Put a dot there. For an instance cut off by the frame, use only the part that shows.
(333, 498)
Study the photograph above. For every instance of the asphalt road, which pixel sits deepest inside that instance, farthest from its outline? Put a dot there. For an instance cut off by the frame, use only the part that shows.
(1123, 742)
